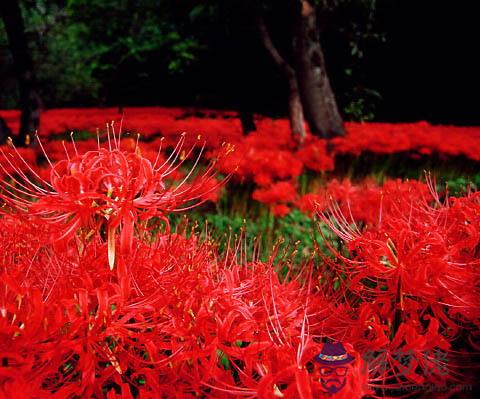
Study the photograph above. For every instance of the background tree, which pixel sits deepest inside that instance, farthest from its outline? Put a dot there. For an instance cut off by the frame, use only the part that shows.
(318, 101)
(310, 92)
(110, 50)
(29, 100)
(295, 108)
(384, 61)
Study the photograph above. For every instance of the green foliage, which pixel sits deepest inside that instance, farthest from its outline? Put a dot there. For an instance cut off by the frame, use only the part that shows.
(459, 185)
(295, 235)
(66, 63)
(123, 52)
(223, 359)
(304, 232)
(8, 94)
(362, 104)
(85, 50)
(353, 23)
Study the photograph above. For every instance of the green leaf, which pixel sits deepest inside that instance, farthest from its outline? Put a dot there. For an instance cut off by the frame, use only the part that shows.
(223, 359)
(196, 12)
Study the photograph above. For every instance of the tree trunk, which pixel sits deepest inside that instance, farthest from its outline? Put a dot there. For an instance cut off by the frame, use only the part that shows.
(318, 100)
(295, 111)
(30, 103)
(247, 121)
(5, 131)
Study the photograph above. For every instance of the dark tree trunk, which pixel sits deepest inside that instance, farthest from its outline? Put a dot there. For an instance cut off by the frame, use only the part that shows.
(295, 111)
(318, 100)
(30, 103)
(247, 121)
(5, 131)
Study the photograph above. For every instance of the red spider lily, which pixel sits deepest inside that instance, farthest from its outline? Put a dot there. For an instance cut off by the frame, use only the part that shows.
(315, 157)
(11, 162)
(410, 282)
(281, 210)
(277, 195)
(278, 192)
(176, 319)
(220, 126)
(173, 320)
(262, 165)
(108, 188)
(80, 338)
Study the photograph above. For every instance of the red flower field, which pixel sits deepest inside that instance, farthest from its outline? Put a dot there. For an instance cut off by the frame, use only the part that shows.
(268, 155)
(99, 298)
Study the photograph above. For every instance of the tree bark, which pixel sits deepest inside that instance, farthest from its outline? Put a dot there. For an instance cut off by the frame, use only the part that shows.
(295, 110)
(318, 100)
(247, 121)
(30, 103)
(5, 131)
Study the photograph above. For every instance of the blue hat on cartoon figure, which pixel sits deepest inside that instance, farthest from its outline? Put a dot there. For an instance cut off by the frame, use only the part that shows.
(333, 354)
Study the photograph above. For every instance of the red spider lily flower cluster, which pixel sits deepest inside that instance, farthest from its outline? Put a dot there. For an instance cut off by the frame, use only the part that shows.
(107, 188)
(410, 281)
(268, 155)
(224, 126)
(280, 192)
(172, 320)
(362, 201)
(175, 319)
